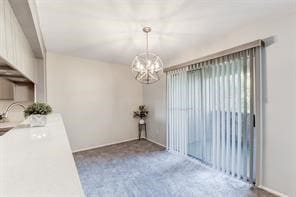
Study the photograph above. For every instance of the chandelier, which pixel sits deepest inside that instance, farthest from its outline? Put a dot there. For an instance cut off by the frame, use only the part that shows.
(147, 66)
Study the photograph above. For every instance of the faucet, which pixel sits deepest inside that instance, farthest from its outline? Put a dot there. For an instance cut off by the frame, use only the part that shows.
(4, 115)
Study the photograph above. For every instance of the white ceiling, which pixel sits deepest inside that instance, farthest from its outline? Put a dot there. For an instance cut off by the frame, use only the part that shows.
(111, 30)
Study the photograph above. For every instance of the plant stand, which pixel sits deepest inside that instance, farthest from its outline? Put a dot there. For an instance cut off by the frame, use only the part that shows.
(142, 127)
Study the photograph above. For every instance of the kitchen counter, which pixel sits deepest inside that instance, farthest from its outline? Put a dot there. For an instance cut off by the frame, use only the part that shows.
(9, 124)
(38, 162)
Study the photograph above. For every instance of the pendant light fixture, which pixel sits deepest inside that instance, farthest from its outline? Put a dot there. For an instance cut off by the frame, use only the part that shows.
(147, 66)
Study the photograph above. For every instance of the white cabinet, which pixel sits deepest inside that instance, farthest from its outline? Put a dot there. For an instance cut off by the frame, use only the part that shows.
(14, 47)
(2, 29)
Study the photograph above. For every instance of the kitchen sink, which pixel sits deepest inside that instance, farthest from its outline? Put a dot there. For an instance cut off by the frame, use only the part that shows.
(7, 126)
(5, 130)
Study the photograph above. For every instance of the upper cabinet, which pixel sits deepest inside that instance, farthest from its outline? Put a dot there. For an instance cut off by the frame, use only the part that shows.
(14, 46)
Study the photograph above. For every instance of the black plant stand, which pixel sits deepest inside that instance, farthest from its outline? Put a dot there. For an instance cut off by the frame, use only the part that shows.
(141, 127)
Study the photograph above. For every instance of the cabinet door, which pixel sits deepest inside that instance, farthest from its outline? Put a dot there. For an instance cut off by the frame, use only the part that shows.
(14, 46)
(8, 32)
(2, 29)
(6, 90)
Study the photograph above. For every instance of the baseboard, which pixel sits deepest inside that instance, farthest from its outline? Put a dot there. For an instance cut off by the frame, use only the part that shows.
(155, 142)
(99, 146)
(272, 191)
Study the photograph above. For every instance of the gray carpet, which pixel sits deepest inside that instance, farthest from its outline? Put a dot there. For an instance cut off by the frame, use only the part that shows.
(143, 169)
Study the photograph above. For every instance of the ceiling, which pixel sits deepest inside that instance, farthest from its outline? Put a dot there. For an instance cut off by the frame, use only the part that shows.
(111, 30)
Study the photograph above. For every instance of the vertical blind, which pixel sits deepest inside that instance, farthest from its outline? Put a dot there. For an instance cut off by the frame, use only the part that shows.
(177, 111)
(210, 113)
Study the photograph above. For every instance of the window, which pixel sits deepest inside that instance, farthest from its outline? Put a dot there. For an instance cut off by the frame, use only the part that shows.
(211, 113)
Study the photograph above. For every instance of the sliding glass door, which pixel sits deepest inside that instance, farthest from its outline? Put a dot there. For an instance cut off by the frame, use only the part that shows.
(199, 142)
(213, 103)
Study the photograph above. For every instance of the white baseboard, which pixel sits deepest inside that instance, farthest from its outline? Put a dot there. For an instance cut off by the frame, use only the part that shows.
(272, 191)
(99, 146)
(155, 142)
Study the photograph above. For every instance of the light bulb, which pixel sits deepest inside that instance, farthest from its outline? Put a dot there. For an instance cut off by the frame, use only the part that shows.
(138, 65)
(156, 65)
(148, 63)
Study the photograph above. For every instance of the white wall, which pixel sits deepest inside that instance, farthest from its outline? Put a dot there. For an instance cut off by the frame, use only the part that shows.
(279, 78)
(155, 100)
(96, 99)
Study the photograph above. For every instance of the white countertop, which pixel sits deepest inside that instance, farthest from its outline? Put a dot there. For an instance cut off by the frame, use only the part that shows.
(38, 162)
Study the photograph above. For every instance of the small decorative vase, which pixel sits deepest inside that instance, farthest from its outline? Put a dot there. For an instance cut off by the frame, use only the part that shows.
(37, 120)
(141, 121)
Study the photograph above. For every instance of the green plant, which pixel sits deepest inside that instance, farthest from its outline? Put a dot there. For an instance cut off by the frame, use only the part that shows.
(142, 113)
(38, 108)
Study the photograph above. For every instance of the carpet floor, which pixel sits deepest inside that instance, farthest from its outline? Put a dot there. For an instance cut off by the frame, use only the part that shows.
(144, 169)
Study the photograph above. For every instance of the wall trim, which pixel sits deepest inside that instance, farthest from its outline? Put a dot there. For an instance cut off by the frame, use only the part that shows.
(272, 191)
(103, 145)
(155, 142)
(113, 143)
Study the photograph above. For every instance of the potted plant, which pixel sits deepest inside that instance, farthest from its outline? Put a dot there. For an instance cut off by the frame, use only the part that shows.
(142, 113)
(38, 114)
